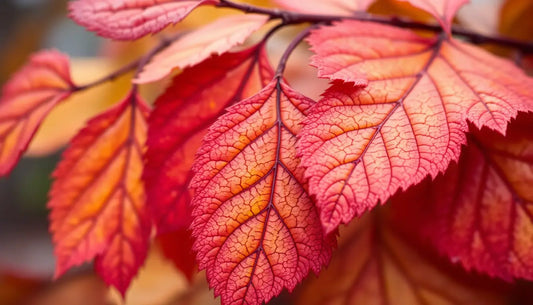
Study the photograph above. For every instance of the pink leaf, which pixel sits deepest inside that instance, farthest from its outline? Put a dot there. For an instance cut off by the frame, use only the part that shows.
(360, 145)
(26, 99)
(215, 38)
(130, 19)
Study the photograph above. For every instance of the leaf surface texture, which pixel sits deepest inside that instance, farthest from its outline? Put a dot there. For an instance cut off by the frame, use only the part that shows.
(257, 230)
(97, 200)
(361, 144)
(26, 99)
(194, 100)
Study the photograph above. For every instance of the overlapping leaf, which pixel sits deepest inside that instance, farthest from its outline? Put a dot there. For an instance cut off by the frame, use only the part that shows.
(481, 211)
(194, 100)
(376, 264)
(130, 19)
(215, 38)
(360, 145)
(97, 200)
(26, 100)
(337, 7)
(257, 230)
(177, 247)
(442, 10)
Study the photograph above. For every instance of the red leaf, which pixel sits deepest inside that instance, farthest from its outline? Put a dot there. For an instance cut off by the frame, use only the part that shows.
(334, 7)
(442, 10)
(257, 230)
(215, 38)
(97, 201)
(177, 246)
(360, 145)
(130, 19)
(26, 99)
(481, 211)
(376, 263)
(194, 100)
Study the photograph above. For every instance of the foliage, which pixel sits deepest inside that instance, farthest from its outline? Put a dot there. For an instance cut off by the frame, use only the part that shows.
(257, 179)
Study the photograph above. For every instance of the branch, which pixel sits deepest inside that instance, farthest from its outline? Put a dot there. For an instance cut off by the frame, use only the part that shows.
(294, 17)
(136, 65)
(290, 48)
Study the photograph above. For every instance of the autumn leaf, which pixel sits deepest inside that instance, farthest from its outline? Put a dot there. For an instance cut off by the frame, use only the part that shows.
(177, 247)
(130, 19)
(26, 99)
(442, 10)
(360, 145)
(257, 230)
(215, 38)
(97, 201)
(481, 211)
(194, 100)
(378, 263)
(334, 7)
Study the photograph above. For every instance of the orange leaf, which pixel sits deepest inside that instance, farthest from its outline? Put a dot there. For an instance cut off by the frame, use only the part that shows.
(335, 7)
(97, 201)
(194, 100)
(376, 263)
(481, 211)
(215, 38)
(26, 100)
(360, 145)
(130, 19)
(257, 230)
(442, 10)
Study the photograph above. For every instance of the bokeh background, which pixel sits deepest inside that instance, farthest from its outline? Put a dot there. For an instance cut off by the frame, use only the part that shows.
(26, 253)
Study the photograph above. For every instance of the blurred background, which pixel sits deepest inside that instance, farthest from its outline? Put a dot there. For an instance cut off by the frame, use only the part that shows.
(26, 253)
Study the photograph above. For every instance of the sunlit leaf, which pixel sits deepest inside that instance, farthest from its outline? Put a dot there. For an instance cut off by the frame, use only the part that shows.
(26, 100)
(257, 230)
(360, 145)
(97, 200)
(130, 19)
(215, 38)
(194, 100)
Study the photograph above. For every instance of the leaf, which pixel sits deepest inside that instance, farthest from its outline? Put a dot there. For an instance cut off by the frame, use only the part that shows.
(256, 228)
(442, 10)
(194, 100)
(215, 38)
(481, 211)
(376, 263)
(177, 247)
(130, 19)
(97, 201)
(360, 145)
(26, 99)
(334, 7)
(66, 119)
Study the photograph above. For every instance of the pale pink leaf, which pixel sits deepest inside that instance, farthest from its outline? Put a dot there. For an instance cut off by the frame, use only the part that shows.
(215, 38)
(130, 19)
